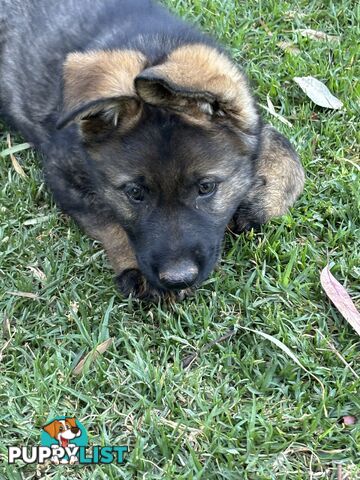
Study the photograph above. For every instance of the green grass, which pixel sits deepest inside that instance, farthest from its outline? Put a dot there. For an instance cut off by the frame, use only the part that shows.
(244, 410)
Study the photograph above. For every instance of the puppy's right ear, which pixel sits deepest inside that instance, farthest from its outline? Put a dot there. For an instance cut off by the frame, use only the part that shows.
(99, 91)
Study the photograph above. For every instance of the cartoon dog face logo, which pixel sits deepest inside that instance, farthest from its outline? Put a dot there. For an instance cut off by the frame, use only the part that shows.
(63, 431)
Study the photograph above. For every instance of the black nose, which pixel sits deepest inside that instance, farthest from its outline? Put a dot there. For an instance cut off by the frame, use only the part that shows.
(75, 429)
(180, 274)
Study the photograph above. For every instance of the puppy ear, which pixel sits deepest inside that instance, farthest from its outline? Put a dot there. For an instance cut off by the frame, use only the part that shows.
(99, 90)
(201, 82)
(99, 117)
(52, 428)
(71, 421)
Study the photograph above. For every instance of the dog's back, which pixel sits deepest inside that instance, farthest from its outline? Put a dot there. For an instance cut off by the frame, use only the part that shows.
(36, 36)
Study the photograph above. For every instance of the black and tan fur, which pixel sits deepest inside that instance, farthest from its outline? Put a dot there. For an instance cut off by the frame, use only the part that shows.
(150, 135)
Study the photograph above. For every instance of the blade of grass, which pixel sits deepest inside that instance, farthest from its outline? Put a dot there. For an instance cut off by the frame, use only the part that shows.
(15, 149)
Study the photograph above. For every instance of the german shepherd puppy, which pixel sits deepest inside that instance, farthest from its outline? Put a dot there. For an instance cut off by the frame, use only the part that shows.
(150, 135)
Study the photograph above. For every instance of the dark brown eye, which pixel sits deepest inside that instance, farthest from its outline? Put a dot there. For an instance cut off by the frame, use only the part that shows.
(207, 188)
(135, 192)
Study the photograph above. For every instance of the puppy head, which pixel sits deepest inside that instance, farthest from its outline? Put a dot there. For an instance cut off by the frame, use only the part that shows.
(63, 430)
(172, 149)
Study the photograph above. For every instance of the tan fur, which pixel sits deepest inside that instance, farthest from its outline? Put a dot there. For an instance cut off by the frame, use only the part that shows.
(283, 173)
(117, 246)
(100, 74)
(201, 69)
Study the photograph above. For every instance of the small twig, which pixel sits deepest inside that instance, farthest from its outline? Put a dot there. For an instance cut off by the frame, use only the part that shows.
(191, 358)
(339, 472)
(266, 28)
(352, 163)
(17, 167)
(224, 337)
(338, 354)
(7, 343)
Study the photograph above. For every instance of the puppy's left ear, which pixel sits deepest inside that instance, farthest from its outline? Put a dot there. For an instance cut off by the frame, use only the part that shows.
(99, 91)
(202, 83)
(51, 428)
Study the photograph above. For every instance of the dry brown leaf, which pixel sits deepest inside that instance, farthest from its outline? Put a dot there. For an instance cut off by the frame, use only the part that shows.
(17, 167)
(180, 426)
(271, 109)
(24, 294)
(340, 298)
(318, 35)
(91, 356)
(266, 28)
(338, 354)
(74, 306)
(5, 346)
(318, 92)
(6, 328)
(288, 47)
(37, 273)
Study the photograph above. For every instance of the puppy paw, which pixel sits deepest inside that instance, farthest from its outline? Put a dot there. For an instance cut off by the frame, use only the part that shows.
(179, 295)
(241, 223)
(132, 282)
(248, 216)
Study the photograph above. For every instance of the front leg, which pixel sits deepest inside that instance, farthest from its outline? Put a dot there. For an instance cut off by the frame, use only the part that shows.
(279, 180)
(121, 255)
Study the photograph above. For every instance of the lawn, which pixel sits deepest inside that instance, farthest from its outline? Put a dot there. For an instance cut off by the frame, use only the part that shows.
(243, 409)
